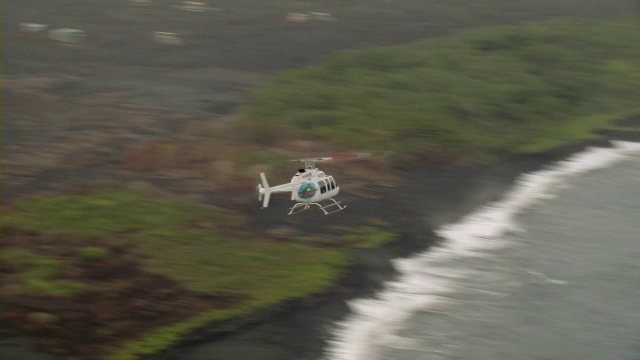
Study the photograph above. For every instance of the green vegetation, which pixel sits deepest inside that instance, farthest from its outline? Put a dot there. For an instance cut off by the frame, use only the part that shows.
(36, 273)
(159, 339)
(270, 282)
(366, 236)
(188, 243)
(94, 253)
(481, 95)
(313, 276)
(185, 242)
(141, 219)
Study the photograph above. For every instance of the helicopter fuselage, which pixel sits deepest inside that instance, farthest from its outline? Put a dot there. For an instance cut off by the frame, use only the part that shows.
(313, 185)
(308, 187)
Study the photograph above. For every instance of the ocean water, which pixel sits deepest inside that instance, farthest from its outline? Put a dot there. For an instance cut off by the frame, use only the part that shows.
(552, 271)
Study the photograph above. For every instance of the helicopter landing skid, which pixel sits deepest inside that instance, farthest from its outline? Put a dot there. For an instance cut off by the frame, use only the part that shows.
(327, 209)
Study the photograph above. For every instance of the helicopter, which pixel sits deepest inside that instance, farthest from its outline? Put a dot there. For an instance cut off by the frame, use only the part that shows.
(309, 187)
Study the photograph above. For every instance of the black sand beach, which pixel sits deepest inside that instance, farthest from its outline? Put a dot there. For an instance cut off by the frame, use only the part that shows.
(206, 79)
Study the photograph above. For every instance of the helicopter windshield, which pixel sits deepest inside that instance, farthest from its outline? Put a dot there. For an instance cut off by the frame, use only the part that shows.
(327, 184)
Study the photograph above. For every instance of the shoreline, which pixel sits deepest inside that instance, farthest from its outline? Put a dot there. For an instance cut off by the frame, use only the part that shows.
(299, 330)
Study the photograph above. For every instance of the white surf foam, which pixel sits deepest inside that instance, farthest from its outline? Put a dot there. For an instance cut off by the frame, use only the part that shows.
(426, 281)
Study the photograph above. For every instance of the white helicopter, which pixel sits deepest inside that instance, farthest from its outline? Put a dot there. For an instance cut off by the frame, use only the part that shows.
(308, 187)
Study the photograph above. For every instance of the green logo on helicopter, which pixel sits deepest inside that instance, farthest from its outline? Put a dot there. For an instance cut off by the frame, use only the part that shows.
(307, 190)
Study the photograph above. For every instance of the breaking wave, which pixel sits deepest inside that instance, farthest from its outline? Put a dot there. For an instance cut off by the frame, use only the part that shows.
(429, 280)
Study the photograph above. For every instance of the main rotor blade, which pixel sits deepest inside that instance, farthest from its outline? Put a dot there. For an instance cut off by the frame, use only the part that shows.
(336, 157)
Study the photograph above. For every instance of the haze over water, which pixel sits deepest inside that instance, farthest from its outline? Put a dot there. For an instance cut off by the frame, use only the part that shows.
(552, 271)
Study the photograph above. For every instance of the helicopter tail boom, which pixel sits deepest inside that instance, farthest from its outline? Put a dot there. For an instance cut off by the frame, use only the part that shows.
(265, 191)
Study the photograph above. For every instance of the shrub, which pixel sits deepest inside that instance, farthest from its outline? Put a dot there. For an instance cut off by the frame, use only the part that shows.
(481, 94)
(94, 253)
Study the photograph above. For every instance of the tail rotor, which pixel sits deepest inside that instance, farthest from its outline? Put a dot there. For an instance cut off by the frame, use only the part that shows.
(259, 192)
(264, 189)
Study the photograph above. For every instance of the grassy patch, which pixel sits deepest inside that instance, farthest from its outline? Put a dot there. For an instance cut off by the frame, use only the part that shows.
(94, 253)
(143, 219)
(260, 269)
(306, 276)
(36, 274)
(185, 242)
(197, 255)
(481, 95)
(366, 236)
(158, 339)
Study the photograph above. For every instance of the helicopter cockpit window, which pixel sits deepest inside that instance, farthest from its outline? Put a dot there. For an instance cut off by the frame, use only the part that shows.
(323, 186)
(333, 183)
